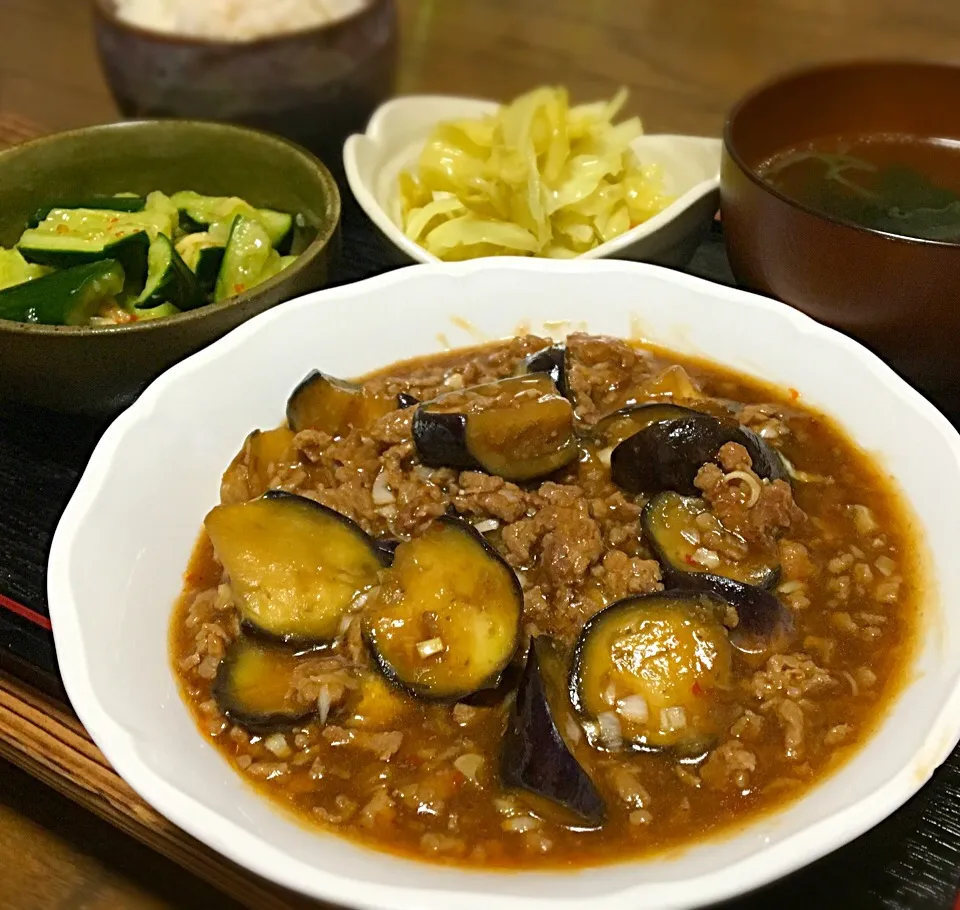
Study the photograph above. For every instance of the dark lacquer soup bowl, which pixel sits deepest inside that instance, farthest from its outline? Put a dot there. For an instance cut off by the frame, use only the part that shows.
(896, 294)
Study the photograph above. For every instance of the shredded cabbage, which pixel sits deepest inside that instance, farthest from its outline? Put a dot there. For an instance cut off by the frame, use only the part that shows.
(538, 178)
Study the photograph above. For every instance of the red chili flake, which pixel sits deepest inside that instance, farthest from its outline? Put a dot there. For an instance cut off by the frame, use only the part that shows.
(696, 689)
(238, 288)
(690, 561)
(794, 394)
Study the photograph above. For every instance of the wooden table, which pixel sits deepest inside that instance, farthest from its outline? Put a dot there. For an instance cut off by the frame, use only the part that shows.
(685, 62)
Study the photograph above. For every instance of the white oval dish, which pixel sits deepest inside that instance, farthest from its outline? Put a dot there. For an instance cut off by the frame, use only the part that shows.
(124, 540)
(398, 130)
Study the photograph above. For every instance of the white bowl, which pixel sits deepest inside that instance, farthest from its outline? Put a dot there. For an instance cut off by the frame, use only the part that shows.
(123, 543)
(398, 130)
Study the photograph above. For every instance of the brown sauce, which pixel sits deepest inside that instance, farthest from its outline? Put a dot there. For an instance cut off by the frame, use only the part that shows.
(421, 779)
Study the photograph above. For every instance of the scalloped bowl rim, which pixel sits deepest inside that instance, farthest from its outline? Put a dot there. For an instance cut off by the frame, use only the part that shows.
(473, 890)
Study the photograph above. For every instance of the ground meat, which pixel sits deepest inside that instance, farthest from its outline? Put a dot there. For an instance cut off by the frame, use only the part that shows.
(313, 676)
(352, 644)
(773, 512)
(765, 419)
(734, 457)
(792, 721)
(837, 734)
(622, 575)
(729, 766)
(576, 545)
(344, 809)
(781, 685)
(626, 781)
(562, 536)
(311, 444)
(600, 369)
(792, 675)
(748, 726)
(449, 372)
(483, 495)
(380, 810)
(213, 619)
(795, 561)
(236, 486)
(418, 501)
(383, 745)
(393, 429)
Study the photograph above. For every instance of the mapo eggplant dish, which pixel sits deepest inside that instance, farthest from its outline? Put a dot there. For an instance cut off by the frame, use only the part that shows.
(533, 604)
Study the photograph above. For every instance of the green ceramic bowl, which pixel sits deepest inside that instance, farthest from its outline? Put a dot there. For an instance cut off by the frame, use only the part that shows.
(100, 370)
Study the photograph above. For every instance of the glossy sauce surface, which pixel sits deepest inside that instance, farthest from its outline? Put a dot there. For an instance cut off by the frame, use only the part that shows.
(422, 779)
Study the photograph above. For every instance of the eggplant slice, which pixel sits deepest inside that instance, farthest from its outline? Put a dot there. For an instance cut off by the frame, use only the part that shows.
(446, 620)
(674, 526)
(334, 406)
(262, 453)
(295, 566)
(764, 624)
(653, 672)
(253, 686)
(379, 704)
(666, 455)
(611, 430)
(520, 429)
(553, 362)
(534, 755)
(386, 547)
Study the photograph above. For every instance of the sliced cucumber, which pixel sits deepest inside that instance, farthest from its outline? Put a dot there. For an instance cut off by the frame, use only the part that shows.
(69, 297)
(14, 269)
(203, 256)
(156, 312)
(104, 225)
(247, 256)
(119, 203)
(67, 250)
(199, 213)
(276, 264)
(168, 279)
(209, 263)
(163, 204)
(279, 226)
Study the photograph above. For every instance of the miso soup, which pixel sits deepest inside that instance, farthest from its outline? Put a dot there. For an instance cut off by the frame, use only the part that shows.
(898, 183)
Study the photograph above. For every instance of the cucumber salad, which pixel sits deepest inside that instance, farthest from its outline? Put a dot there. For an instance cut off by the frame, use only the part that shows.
(113, 260)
